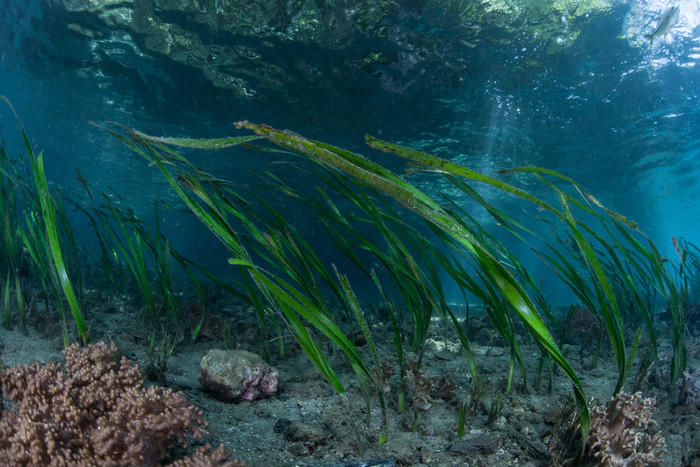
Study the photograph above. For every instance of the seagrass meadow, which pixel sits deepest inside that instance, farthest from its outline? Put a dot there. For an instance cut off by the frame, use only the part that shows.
(377, 363)
(349, 233)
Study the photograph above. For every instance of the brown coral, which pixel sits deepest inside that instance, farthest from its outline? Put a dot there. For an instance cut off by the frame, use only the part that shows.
(620, 432)
(92, 411)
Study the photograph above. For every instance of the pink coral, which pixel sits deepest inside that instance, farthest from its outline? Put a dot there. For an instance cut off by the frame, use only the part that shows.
(620, 432)
(93, 411)
(262, 382)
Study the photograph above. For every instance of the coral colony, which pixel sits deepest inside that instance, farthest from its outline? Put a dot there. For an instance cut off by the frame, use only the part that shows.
(94, 410)
(620, 432)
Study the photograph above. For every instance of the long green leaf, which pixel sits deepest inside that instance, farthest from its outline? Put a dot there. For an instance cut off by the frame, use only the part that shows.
(412, 198)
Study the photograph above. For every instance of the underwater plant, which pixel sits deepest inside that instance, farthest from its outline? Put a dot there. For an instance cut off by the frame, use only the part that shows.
(498, 276)
(192, 184)
(217, 210)
(134, 254)
(48, 237)
(605, 273)
(415, 244)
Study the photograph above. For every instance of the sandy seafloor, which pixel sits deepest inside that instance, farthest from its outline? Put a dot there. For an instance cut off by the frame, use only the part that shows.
(307, 424)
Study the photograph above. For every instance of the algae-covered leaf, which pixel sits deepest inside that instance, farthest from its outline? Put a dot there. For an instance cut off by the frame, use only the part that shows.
(215, 143)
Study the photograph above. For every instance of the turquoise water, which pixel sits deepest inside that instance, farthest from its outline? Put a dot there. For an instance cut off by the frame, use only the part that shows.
(492, 85)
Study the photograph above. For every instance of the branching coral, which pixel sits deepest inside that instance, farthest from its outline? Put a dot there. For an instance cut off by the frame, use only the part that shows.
(94, 411)
(619, 433)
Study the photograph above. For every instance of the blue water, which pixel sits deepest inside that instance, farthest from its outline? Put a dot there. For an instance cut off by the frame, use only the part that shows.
(601, 105)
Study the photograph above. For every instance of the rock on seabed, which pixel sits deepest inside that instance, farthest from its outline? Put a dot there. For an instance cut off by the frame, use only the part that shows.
(237, 375)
